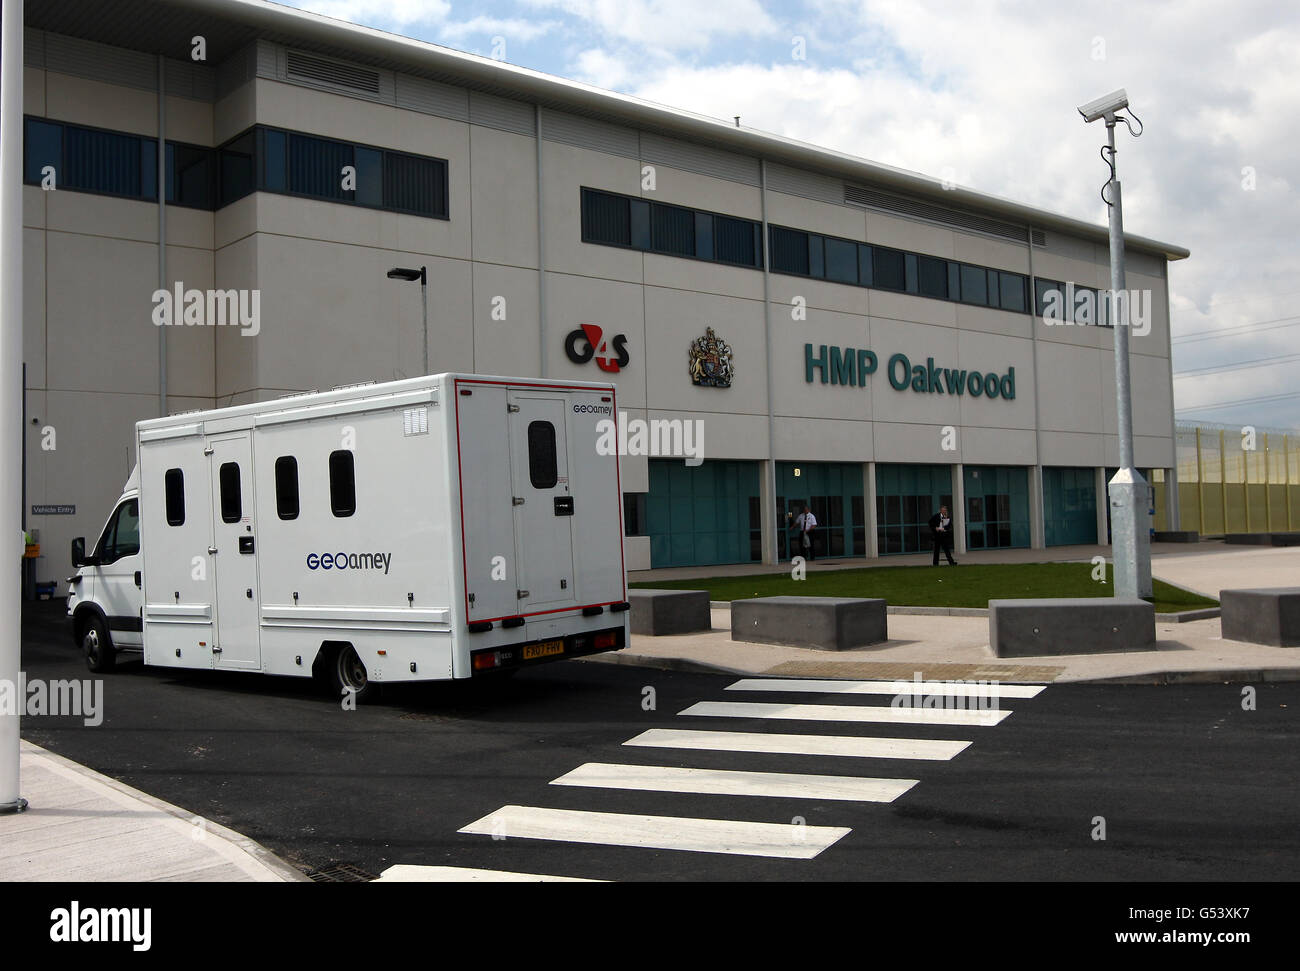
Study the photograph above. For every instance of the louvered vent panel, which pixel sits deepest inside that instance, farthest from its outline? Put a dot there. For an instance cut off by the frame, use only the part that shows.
(318, 70)
(953, 218)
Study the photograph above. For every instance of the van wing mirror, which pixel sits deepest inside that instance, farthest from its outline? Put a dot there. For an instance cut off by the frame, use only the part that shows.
(79, 551)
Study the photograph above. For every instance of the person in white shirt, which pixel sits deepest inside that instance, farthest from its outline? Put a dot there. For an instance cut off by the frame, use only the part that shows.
(941, 531)
(806, 522)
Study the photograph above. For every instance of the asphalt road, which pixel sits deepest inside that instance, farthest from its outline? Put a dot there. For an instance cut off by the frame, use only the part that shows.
(1190, 785)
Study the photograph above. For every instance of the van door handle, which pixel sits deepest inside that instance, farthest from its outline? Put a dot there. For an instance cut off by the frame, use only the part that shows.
(137, 578)
(212, 551)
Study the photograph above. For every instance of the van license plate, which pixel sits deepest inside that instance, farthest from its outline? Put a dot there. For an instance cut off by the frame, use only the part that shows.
(543, 650)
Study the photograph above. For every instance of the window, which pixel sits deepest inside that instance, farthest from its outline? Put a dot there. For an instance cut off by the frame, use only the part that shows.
(816, 255)
(273, 152)
(91, 159)
(634, 521)
(235, 160)
(672, 230)
(889, 273)
(370, 177)
(174, 488)
(43, 146)
(286, 487)
(841, 261)
(190, 176)
(737, 241)
(932, 277)
(343, 485)
(704, 235)
(413, 184)
(605, 219)
(542, 471)
(316, 167)
(232, 509)
(1013, 292)
(122, 534)
(789, 251)
(974, 285)
(1043, 290)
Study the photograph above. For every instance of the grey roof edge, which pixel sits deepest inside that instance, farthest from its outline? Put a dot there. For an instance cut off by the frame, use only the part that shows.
(551, 90)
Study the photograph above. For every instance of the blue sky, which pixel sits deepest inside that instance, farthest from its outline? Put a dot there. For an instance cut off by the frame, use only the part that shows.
(983, 92)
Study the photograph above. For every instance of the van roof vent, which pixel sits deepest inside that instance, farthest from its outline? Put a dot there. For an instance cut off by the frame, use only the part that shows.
(319, 70)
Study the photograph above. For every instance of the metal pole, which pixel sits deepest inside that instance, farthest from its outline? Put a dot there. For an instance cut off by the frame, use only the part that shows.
(1286, 465)
(11, 392)
(1268, 489)
(1200, 478)
(1223, 479)
(1130, 537)
(424, 312)
(162, 227)
(770, 542)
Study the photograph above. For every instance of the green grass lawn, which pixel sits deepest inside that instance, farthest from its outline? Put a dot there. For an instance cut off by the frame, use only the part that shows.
(944, 586)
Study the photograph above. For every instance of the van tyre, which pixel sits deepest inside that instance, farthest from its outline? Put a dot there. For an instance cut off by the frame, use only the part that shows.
(342, 671)
(101, 655)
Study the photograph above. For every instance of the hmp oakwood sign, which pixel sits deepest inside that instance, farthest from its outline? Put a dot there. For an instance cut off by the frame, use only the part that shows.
(849, 366)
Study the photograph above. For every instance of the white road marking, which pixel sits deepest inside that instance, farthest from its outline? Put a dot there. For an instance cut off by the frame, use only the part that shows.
(784, 840)
(733, 782)
(934, 750)
(414, 873)
(847, 713)
(988, 689)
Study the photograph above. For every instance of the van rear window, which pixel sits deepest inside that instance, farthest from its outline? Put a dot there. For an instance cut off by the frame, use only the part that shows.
(343, 485)
(175, 490)
(542, 470)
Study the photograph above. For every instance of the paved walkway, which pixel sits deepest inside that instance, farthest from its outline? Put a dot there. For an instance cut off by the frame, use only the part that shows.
(86, 827)
(947, 647)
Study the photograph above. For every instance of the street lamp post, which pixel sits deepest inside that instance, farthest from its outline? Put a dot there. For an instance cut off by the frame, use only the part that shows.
(11, 394)
(405, 273)
(1128, 491)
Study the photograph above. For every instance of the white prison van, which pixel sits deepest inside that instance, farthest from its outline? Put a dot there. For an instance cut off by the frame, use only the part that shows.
(425, 529)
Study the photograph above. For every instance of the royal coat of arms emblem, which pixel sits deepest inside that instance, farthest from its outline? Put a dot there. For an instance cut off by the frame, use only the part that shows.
(711, 361)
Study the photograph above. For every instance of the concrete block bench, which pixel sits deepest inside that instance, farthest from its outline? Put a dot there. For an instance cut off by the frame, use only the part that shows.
(659, 612)
(1263, 539)
(1268, 616)
(1070, 625)
(825, 623)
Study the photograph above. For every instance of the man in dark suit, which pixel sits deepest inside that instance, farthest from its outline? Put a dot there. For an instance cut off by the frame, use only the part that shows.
(941, 531)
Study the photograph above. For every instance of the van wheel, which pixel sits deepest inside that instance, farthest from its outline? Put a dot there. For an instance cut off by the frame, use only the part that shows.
(345, 671)
(101, 656)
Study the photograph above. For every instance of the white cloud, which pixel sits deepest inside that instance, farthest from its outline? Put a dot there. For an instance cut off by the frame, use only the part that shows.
(667, 24)
(373, 13)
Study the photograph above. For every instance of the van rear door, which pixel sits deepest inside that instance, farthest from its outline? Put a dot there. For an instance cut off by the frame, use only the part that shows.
(543, 503)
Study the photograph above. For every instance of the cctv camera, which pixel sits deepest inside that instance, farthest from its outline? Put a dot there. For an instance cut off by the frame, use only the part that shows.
(1105, 107)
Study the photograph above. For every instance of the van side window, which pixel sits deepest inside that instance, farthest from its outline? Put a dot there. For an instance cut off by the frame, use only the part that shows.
(286, 487)
(343, 485)
(175, 481)
(231, 501)
(542, 471)
(122, 534)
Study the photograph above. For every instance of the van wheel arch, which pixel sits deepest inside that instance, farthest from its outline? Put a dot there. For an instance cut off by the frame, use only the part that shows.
(338, 667)
(90, 628)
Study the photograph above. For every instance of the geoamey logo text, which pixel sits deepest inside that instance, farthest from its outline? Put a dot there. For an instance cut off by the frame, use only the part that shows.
(349, 561)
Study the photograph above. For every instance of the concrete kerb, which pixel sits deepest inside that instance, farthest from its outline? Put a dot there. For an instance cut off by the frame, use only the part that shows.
(213, 830)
